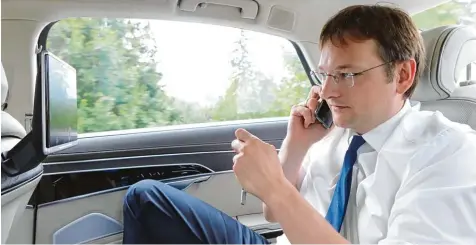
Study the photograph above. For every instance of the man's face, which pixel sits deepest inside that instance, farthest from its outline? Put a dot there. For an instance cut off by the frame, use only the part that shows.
(372, 99)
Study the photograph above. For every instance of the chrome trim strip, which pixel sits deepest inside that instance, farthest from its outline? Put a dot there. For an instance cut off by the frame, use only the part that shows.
(163, 147)
(183, 127)
(210, 176)
(192, 181)
(129, 167)
(135, 157)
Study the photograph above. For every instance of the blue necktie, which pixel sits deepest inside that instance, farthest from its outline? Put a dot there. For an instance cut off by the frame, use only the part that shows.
(335, 214)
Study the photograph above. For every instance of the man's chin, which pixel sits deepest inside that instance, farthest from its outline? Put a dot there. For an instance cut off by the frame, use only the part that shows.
(341, 123)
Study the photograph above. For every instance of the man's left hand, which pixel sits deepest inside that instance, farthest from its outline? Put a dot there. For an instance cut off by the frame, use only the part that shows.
(256, 165)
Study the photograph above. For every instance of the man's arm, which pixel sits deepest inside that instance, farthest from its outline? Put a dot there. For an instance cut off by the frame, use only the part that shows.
(437, 204)
(291, 157)
(301, 223)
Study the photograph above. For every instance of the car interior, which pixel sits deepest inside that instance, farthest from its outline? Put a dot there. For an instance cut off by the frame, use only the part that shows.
(75, 195)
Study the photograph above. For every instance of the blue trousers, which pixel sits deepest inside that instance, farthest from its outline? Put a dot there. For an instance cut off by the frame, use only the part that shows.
(155, 212)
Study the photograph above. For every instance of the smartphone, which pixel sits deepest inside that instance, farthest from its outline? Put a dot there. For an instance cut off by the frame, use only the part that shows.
(324, 115)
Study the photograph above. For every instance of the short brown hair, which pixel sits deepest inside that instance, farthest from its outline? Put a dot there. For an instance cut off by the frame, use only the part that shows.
(397, 37)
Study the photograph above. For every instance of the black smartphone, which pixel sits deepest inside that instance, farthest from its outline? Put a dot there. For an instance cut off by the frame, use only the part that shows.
(324, 115)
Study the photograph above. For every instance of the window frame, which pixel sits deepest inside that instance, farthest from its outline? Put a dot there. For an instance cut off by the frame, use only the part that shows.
(42, 43)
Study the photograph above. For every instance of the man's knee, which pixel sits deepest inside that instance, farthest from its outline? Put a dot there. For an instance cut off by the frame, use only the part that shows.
(141, 193)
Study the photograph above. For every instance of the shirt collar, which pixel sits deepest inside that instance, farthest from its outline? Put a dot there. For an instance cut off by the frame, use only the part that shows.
(376, 137)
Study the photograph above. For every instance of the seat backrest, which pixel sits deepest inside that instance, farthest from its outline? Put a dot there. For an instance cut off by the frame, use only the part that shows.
(12, 130)
(449, 50)
(17, 190)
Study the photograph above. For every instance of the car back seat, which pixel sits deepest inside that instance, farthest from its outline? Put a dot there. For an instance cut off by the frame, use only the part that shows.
(449, 49)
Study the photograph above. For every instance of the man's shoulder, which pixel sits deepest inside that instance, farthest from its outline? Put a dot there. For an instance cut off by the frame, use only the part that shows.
(437, 148)
(426, 138)
(427, 126)
(426, 134)
(429, 144)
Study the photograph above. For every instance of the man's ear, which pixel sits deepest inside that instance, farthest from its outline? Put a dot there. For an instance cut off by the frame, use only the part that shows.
(405, 75)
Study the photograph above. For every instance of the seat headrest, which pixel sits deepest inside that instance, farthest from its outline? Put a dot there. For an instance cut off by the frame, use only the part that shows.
(11, 127)
(4, 85)
(449, 49)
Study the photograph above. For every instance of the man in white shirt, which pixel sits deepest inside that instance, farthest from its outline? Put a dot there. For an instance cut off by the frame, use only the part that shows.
(384, 173)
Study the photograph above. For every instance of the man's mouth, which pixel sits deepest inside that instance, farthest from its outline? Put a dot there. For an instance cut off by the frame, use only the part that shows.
(338, 107)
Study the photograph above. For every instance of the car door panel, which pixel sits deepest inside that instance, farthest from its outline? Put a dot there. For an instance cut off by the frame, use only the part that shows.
(52, 217)
(220, 190)
(93, 177)
(23, 228)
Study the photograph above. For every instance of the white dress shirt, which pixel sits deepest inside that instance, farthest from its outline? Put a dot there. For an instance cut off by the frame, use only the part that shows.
(414, 180)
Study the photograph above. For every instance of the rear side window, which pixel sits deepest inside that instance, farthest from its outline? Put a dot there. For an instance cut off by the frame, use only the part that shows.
(454, 12)
(149, 73)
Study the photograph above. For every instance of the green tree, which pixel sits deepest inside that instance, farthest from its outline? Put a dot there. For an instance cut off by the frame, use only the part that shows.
(293, 89)
(449, 13)
(117, 79)
(119, 87)
(250, 93)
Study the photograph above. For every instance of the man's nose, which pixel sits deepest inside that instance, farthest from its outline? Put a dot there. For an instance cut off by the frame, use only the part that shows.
(329, 89)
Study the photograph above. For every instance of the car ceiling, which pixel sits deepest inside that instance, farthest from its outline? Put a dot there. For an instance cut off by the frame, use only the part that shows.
(304, 11)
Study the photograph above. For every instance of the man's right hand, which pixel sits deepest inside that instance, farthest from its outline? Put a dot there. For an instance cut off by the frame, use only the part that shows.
(303, 128)
(303, 131)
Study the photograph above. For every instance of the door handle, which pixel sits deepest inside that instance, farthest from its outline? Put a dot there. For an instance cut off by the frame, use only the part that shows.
(184, 184)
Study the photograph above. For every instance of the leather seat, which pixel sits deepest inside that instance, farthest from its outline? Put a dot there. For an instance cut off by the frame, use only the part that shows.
(16, 190)
(449, 49)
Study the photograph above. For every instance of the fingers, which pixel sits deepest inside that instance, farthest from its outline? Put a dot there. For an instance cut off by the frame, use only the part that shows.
(305, 113)
(313, 98)
(243, 138)
(237, 145)
(236, 158)
(307, 108)
(243, 135)
(315, 92)
(312, 104)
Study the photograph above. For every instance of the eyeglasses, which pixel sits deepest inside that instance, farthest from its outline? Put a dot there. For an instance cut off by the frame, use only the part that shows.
(342, 78)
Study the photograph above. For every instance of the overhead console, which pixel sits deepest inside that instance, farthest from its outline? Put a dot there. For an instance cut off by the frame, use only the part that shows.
(58, 187)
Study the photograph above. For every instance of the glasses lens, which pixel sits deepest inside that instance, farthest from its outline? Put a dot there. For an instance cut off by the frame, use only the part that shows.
(322, 77)
(339, 78)
(348, 81)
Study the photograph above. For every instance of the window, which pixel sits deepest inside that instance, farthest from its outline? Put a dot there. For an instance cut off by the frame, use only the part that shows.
(449, 13)
(460, 12)
(150, 73)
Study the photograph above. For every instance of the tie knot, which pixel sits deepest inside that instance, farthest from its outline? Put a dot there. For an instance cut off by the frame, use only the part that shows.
(357, 141)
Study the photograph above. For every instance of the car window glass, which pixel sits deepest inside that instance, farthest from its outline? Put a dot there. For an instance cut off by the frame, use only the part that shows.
(152, 73)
